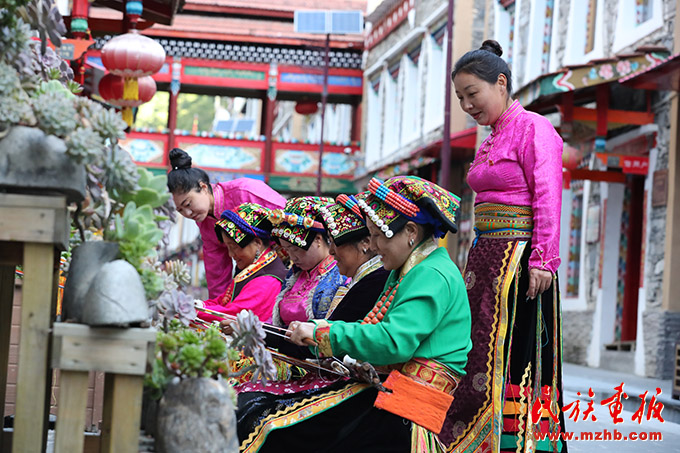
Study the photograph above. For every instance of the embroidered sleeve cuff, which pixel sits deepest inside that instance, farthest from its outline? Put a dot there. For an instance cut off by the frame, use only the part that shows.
(539, 260)
(322, 337)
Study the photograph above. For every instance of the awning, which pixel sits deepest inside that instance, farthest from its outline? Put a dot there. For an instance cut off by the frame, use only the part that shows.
(462, 147)
(546, 91)
(663, 75)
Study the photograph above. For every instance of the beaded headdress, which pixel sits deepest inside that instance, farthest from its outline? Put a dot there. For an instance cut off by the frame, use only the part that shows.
(402, 198)
(297, 222)
(343, 219)
(244, 223)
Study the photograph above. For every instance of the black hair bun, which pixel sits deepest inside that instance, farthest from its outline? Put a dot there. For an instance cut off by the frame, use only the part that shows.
(179, 159)
(492, 46)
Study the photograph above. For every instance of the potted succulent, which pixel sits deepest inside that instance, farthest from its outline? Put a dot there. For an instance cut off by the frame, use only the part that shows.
(190, 374)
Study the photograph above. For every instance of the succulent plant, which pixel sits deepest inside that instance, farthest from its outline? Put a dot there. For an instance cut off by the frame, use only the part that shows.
(84, 145)
(55, 113)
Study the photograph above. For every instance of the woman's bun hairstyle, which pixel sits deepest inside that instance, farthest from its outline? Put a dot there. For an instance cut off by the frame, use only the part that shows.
(492, 46)
(183, 177)
(179, 159)
(485, 63)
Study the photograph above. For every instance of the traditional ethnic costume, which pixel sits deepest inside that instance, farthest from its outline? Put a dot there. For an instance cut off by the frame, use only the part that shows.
(517, 343)
(351, 303)
(257, 286)
(420, 327)
(306, 294)
(228, 196)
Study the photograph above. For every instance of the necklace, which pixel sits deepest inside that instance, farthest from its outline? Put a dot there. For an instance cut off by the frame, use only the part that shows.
(378, 313)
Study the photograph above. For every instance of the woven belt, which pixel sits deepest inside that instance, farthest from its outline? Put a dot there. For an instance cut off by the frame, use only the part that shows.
(432, 373)
(503, 221)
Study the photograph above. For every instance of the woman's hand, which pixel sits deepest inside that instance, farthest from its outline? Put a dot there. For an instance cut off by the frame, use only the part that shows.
(225, 327)
(539, 281)
(301, 333)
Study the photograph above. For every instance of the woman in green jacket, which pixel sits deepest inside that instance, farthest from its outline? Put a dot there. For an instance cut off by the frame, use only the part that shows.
(418, 332)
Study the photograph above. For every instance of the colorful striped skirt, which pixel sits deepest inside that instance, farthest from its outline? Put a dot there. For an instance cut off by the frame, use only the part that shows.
(516, 357)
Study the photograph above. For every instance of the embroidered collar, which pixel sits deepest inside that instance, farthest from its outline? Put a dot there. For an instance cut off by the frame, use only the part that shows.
(369, 266)
(507, 116)
(265, 259)
(325, 266)
(218, 200)
(418, 254)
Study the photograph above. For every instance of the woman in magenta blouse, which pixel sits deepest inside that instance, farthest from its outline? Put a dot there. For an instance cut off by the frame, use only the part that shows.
(198, 200)
(511, 273)
(246, 233)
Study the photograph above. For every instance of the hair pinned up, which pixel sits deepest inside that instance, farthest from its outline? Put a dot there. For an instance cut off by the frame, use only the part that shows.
(485, 63)
(183, 177)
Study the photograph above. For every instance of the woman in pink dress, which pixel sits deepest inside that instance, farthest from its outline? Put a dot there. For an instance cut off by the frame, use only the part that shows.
(199, 200)
(515, 366)
(246, 233)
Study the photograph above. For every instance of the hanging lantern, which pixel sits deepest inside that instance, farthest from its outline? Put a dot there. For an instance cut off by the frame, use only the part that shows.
(306, 107)
(112, 90)
(571, 157)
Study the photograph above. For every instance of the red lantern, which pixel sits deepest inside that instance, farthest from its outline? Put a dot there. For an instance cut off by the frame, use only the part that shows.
(112, 90)
(306, 107)
(571, 157)
(132, 56)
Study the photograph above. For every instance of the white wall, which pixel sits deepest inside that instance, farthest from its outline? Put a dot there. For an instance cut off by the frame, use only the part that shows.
(576, 33)
(628, 31)
(605, 307)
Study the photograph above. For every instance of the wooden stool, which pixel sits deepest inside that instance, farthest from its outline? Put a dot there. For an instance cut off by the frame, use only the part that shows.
(122, 354)
(33, 229)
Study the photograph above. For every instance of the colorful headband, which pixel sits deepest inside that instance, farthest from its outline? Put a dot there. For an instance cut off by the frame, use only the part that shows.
(344, 220)
(297, 221)
(403, 198)
(247, 221)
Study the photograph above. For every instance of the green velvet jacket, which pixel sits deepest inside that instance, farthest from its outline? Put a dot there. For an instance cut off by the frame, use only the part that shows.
(429, 317)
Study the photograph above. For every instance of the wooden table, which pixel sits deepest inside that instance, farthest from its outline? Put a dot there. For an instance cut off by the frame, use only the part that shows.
(33, 230)
(122, 354)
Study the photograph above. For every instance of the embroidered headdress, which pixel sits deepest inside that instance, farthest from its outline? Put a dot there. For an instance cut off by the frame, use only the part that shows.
(243, 224)
(402, 198)
(297, 223)
(343, 219)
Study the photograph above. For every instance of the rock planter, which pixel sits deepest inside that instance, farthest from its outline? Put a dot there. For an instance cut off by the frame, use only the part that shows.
(31, 161)
(197, 415)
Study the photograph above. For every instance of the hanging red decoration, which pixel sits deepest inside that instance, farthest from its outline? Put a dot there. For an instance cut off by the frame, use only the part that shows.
(306, 107)
(112, 90)
(571, 157)
(132, 56)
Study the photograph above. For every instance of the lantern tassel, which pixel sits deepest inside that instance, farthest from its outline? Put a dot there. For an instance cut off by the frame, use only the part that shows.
(127, 116)
(131, 89)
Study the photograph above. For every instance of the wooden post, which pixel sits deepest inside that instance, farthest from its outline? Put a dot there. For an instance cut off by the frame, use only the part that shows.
(33, 348)
(268, 114)
(71, 411)
(6, 299)
(172, 120)
(122, 404)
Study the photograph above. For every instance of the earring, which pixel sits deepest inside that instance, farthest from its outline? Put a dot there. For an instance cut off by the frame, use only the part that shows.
(257, 255)
(410, 242)
(364, 250)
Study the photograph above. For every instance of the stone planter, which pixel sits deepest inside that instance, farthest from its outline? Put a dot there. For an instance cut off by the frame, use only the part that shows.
(197, 415)
(101, 290)
(31, 161)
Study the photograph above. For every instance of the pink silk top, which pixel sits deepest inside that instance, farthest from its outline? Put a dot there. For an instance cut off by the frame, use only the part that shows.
(230, 195)
(258, 295)
(520, 164)
(295, 306)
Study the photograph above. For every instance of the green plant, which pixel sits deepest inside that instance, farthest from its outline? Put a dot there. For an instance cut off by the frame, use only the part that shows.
(183, 353)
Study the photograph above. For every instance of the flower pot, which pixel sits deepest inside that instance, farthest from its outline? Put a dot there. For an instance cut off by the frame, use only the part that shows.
(197, 414)
(32, 161)
(88, 258)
